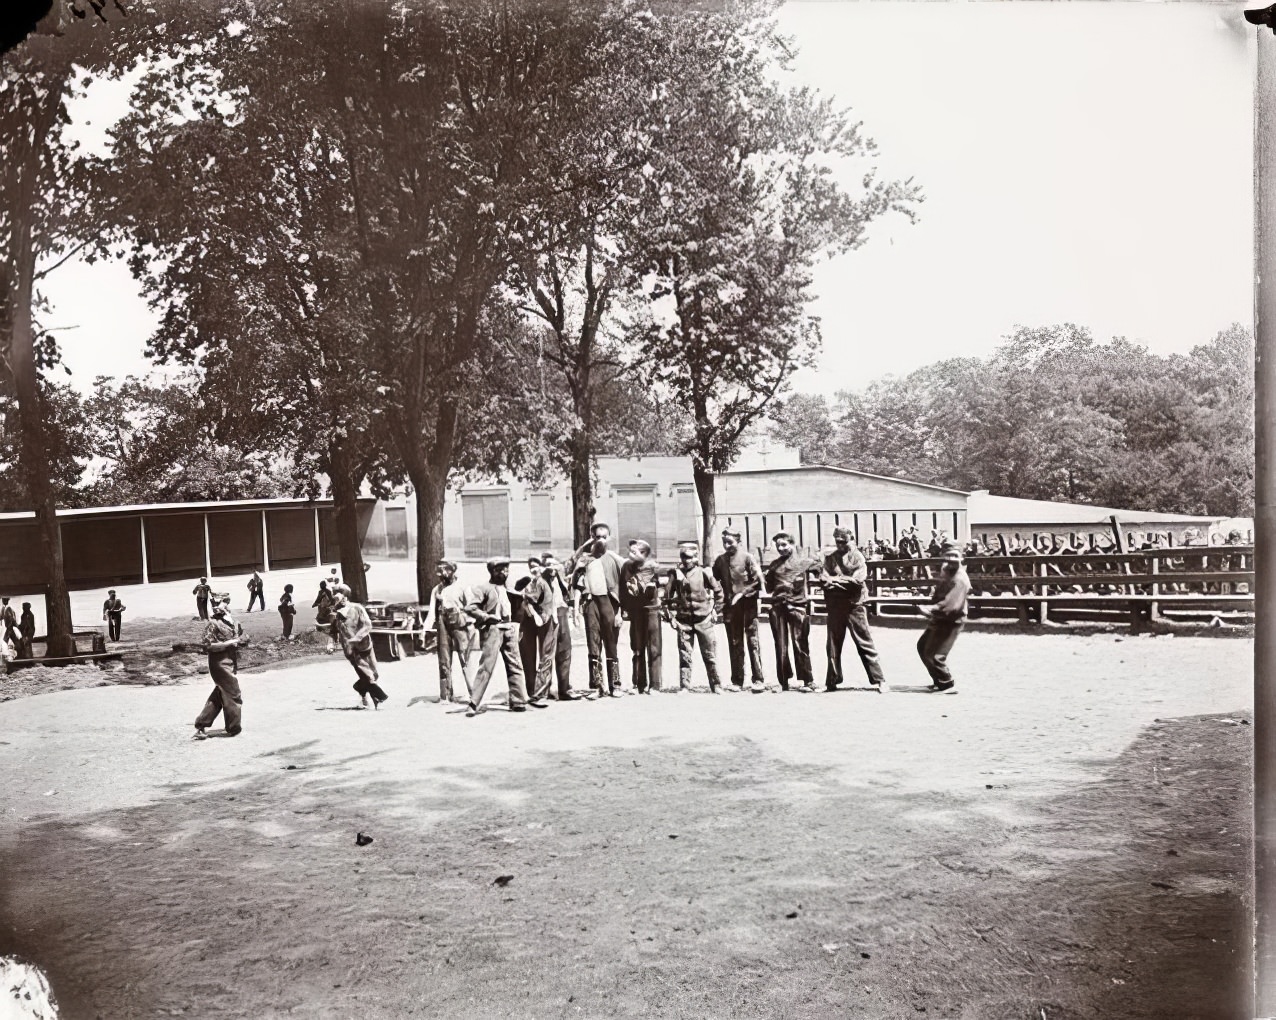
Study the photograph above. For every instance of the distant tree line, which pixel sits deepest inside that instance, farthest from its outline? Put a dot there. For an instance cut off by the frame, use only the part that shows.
(1054, 414)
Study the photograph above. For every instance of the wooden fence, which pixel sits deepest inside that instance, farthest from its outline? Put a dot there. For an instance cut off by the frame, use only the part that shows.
(1187, 584)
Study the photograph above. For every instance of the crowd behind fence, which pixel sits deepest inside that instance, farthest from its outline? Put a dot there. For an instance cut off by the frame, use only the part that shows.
(1139, 583)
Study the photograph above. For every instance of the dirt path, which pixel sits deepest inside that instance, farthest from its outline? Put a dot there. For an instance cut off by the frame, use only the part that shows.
(990, 854)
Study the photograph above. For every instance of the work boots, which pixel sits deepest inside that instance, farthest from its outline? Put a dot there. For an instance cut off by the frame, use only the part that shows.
(613, 678)
(596, 676)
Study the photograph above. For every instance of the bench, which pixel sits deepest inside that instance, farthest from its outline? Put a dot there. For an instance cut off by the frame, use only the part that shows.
(397, 630)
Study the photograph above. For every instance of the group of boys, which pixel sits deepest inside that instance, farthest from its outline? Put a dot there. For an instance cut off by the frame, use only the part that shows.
(528, 629)
(345, 621)
(18, 631)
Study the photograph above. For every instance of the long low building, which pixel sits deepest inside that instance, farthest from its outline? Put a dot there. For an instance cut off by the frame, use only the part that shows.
(640, 497)
(809, 502)
(654, 498)
(105, 546)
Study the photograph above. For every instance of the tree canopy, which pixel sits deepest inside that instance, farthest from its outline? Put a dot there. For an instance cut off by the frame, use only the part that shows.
(1054, 414)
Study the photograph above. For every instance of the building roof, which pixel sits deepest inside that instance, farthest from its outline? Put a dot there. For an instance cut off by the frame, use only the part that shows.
(984, 509)
(846, 471)
(181, 508)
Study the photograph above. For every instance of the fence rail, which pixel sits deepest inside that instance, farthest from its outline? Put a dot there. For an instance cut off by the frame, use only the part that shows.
(1183, 583)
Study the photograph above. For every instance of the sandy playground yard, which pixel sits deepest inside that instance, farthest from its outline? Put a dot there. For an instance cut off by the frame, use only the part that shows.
(1065, 838)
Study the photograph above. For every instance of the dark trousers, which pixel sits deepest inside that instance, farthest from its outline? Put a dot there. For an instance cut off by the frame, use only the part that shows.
(563, 652)
(742, 627)
(255, 596)
(791, 626)
(452, 640)
(647, 644)
(601, 628)
(225, 697)
(113, 625)
(933, 646)
(287, 621)
(841, 619)
(201, 606)
(690, 630)
(496, 642)
(536, 647)
(364, 662)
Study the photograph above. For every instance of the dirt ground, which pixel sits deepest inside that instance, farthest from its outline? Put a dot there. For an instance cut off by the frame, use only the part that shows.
(1067, 837)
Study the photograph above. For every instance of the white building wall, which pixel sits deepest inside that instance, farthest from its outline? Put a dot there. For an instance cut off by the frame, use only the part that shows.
(767, 484)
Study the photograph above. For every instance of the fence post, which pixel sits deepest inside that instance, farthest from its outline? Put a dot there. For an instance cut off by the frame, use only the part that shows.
(1043, 607)
(1154, 607)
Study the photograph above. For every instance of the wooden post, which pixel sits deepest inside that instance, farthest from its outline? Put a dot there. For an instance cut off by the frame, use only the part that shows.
(1154, 608)
(1265, 527)
(318, 544)
(1043, 607)
(1121, 548)
(141, 522)
(265, 545)
(208, 555)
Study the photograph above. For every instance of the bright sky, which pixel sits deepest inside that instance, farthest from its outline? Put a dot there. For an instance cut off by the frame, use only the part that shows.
(1082, 162)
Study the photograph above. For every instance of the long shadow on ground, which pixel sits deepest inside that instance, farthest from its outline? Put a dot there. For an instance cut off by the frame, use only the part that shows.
(674, 882)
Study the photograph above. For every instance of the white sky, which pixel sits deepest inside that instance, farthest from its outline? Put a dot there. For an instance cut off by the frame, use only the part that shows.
(1082, 162)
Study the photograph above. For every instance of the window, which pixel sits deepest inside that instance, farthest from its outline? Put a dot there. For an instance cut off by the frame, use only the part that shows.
(485, 519)
(539, 506)
(687, 511)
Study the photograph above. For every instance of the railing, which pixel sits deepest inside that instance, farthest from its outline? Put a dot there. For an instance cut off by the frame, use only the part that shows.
(1169, 583)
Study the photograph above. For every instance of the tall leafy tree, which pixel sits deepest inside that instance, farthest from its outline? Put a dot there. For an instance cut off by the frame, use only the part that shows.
(260, 280)
(451, 123)
(739, 202)
(40, 197)
(571, 244)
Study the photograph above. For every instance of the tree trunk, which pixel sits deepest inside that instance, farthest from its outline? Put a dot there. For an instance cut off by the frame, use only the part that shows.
(708, 512)
(582, 481)
(345, 493)
(34, 453)
(429, 481)
(35, 467)
(430, 496)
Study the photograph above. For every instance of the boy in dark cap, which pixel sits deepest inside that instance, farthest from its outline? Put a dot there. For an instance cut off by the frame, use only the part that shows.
(287, 610)
(598, 570)
(112, 613)
(452, 631)
(489, 606)
(26, 632)
(10, 620)
(201, 592)
(695, 596)
(844, 578)
(947, 614)
(352, 626)
(738, 573)
(222, 641)
(640, 598)
(790, 613)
